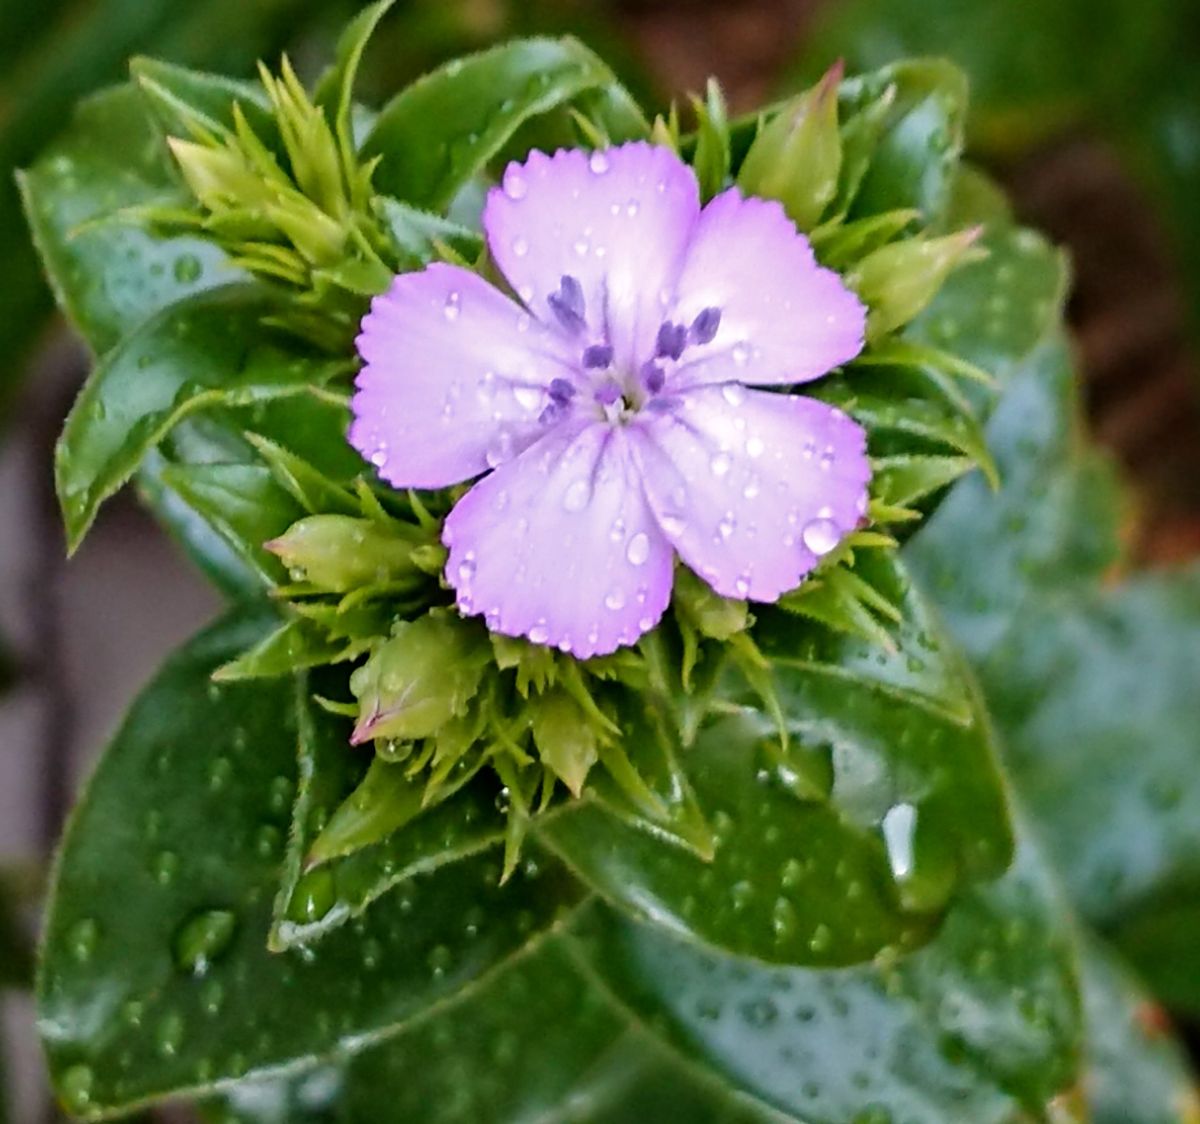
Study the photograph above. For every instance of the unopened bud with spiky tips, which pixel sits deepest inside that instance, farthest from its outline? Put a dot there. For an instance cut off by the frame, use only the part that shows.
(425, 675)
(797, 156)
(339, 553)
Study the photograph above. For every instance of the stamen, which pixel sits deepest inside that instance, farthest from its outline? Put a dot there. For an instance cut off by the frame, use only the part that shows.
(598, 355)
(567, 304)
(671, 340)
(705, 326)
(653, 376)
(609, 393)
(561, 391)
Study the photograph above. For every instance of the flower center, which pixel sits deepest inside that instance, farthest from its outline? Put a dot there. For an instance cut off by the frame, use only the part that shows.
(619, 395)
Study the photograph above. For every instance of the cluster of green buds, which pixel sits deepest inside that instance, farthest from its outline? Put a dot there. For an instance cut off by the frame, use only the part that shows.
(283, 191)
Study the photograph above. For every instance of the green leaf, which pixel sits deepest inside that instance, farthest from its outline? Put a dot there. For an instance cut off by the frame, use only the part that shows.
(983, 1024)
(1137, 1069)
(416, 234)
(914, 160)
(241, 503)
(109, 276)
(145, 991)
(1097, 696)
(491, 1060)
(335, 90)
(441, 132)
(315, 900)
(914, 806)
(210, 349)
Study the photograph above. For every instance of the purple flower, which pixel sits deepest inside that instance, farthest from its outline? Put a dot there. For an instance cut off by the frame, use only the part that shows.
(608, 412)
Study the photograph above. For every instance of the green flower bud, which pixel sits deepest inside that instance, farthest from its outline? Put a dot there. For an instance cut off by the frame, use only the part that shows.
(338, 553)
(710, 614)
(219, 177)
(420, 679)
(797, 156)
(897, 281)
(565, 738)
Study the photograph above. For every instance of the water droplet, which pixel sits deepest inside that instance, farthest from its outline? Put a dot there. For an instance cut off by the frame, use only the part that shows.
(529, 397)
(169, 1036)
(726, 527)
(212, 998)
(582, 245)
(577, 495)
(742, 586)
(202, 938)
(165, 867)
(515, 186)
(452, 307)
(379, 458)
(440, 960)
(520, 246)
(466, 568)
(673, 525)
(741, 354)
(598, 162)
(631, 208)
(754, 447)
(500, 449)
(187, 269)
(539, 633)
(898, 826)
(76, 1087)
(638, 550)
(720, 464)
(615, 600)
(219, 773)
(313, 897)
(821, 939)
(821, 536)
(81, 940)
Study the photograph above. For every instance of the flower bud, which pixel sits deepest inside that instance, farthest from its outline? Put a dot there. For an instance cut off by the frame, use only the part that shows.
(338, 553)
(897, 281)
(797, 156)
(218, 177)
(421, 678)
(565, 739)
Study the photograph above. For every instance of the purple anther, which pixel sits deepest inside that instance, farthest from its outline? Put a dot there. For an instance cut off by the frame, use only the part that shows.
(598, 355)
(705, 326)
(671, 340)
(653, 376)
(608, 393)
(561, 391)
(567, 304)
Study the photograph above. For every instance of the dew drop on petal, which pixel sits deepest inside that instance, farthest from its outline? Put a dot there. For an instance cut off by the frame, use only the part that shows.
(754, 447)
(528, 397)
(499, 450)
(466, 569)
(726, 526)
(452, 307)
(740, 354)
(577, 495)
(673, 525)
(631, 208)
(821, 536)
(733, 393)
(515, 186)
(539, 634)
(638, 550)
(720, 464)
(598, 162)
(742, 586)
(520, 247)
(379, 458)
(615, 600)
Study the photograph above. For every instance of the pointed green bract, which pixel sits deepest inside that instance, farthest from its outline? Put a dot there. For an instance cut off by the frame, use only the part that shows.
(155, 976)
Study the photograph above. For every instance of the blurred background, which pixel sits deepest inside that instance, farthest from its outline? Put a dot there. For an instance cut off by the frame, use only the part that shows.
(1088, 110)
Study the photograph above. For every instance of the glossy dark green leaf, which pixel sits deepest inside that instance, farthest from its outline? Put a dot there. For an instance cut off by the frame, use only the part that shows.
(978, 1026)
(243, 504)
(439, 133)
(155, 975)
(1097, 696)
(537, 1043)
(211, 349)
(110, 276)
(909, 805)
(313, 903)
(1137, 1071)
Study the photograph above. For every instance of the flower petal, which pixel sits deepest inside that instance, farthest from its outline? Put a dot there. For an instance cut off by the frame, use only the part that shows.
(618, 220)
(783, 318)
(752, 487)
(560, 546)
(455, 379)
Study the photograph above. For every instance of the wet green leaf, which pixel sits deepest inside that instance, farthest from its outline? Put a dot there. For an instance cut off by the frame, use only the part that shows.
(148, 988)
(915, 806)
(1137, 1071)
(110, 276)
(441, 132)
(211, 349)
(982, 1023)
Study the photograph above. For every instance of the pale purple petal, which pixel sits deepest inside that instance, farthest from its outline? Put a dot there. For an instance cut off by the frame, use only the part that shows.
(559, 545)
(752, 487)
(618, 220)
(456, 378)
(783, 319)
